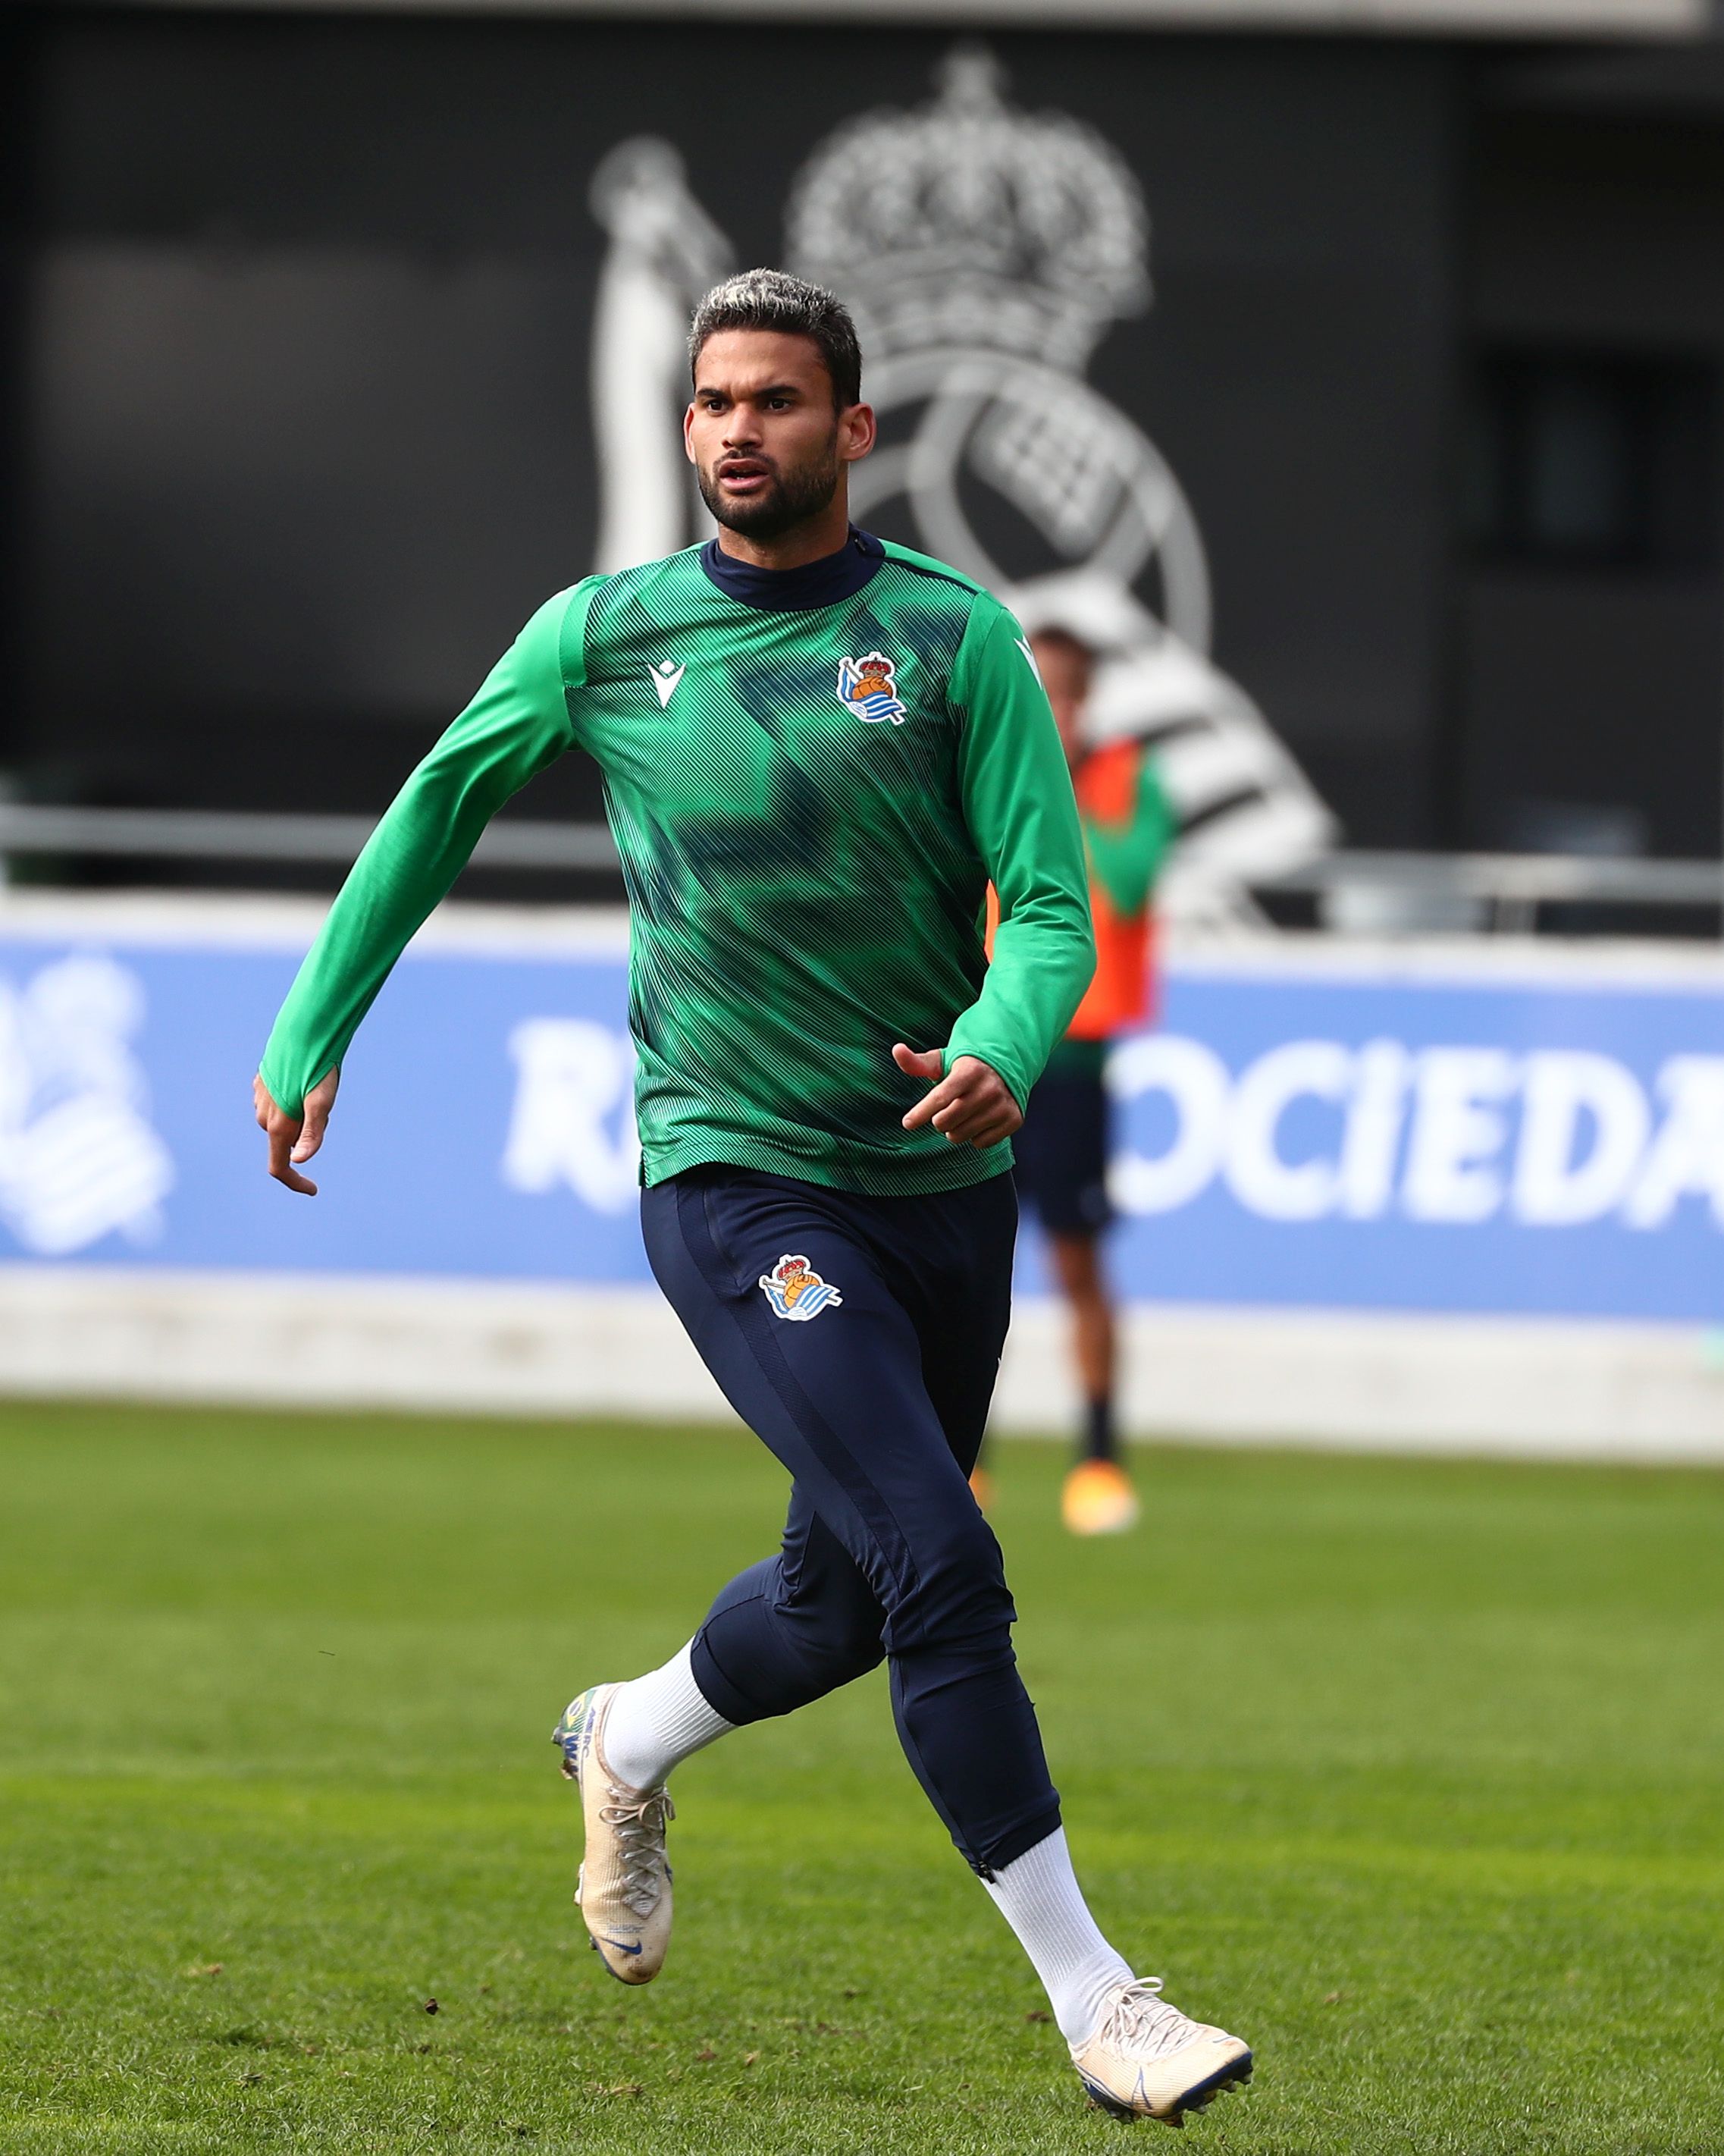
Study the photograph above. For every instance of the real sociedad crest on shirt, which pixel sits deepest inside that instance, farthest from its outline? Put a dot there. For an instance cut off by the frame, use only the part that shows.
(867, 687)
(796, 1291)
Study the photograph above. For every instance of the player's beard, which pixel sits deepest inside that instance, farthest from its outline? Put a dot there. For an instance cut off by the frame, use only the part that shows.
(791, 499)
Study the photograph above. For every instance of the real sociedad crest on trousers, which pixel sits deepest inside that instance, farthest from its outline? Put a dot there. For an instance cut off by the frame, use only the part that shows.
(796, 1291)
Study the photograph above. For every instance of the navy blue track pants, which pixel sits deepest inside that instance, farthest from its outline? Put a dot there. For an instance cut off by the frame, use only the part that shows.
(860, 1339)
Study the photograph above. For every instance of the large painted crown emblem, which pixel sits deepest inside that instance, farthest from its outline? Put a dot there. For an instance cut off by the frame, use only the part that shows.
(970, 223)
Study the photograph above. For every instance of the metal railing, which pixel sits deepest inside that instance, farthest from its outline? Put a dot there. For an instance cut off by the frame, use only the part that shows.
(223, 835)
(1502, 892)
(1359, 891)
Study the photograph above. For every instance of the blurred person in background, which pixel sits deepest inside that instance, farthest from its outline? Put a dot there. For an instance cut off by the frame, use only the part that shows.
(1062, 1149)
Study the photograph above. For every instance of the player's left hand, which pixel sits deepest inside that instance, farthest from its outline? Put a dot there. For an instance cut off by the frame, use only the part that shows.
(972, 1105)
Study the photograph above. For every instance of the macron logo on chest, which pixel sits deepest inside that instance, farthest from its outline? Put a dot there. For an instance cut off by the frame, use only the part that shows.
(666, 673)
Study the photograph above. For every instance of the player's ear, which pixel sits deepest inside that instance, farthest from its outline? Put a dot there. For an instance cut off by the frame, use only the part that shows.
(688, 431)
(857, 429)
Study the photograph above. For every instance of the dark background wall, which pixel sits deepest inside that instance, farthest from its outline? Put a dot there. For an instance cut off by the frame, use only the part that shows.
(18, 104)
(1590, 672)
(294, 426)
(306, 398)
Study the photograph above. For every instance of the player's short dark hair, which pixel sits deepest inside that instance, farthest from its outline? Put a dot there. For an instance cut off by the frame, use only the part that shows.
(774, 300)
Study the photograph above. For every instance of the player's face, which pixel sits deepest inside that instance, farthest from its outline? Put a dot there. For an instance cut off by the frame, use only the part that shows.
(1066, 668)
(768, 448)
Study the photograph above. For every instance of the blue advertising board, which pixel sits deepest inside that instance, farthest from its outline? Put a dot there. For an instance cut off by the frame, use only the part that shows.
(1295, 1132)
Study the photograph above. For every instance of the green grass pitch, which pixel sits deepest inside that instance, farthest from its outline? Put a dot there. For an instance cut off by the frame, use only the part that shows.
(1410, 1772)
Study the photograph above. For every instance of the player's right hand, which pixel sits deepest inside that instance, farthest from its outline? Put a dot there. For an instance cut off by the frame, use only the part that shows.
(295, 1137)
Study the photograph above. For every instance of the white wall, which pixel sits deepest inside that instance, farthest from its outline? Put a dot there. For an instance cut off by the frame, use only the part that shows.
(1534, 1389)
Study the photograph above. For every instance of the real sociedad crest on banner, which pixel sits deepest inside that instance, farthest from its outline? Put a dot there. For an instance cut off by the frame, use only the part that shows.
(985, 251)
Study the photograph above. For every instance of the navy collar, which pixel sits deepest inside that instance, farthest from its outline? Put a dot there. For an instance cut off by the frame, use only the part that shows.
(824, 583)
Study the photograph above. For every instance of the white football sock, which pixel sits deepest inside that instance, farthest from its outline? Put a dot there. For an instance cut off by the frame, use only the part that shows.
(655, 1721)
(1039, 1897)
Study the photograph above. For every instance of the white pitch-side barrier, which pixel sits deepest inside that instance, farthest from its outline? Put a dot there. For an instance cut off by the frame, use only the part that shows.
(1511, 1388)
(1461, 1197)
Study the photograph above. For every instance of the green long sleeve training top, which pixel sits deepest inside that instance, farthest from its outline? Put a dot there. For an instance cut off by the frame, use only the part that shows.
(812, 775)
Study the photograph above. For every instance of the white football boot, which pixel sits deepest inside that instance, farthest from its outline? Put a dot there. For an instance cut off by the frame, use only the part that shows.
(1147, 2060)
(623, 1887)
